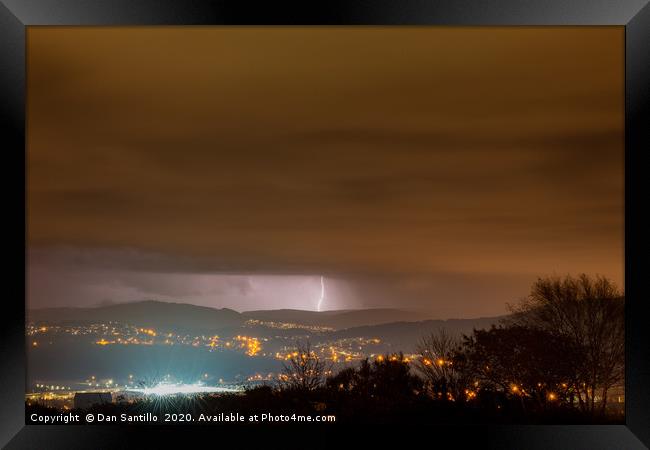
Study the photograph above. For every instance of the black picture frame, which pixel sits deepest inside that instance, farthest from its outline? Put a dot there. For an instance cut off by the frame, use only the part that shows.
(633, 15)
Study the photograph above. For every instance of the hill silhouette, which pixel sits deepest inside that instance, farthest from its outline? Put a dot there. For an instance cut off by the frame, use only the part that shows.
(148, 313)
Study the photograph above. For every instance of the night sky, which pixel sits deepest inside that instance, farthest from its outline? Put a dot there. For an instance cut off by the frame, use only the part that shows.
(437, 169)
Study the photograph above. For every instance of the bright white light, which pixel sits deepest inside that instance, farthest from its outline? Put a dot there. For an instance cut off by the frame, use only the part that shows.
(322, 293)
(171, 388)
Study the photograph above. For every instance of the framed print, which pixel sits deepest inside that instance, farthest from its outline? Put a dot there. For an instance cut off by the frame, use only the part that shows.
(274, 217)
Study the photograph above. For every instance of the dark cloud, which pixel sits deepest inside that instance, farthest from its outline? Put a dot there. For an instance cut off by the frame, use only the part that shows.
(377, 154)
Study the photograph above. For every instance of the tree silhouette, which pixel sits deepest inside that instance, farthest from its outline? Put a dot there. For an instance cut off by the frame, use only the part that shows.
(436, 365)
(304, 370)
(590, 313)
(387, 379)
(524, 363)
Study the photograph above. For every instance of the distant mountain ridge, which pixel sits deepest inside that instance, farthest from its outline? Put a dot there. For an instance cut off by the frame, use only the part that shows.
(148, 313)
(179, 316)
(405, 336)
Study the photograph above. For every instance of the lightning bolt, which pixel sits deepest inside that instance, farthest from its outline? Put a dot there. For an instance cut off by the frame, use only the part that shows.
(322, 293)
